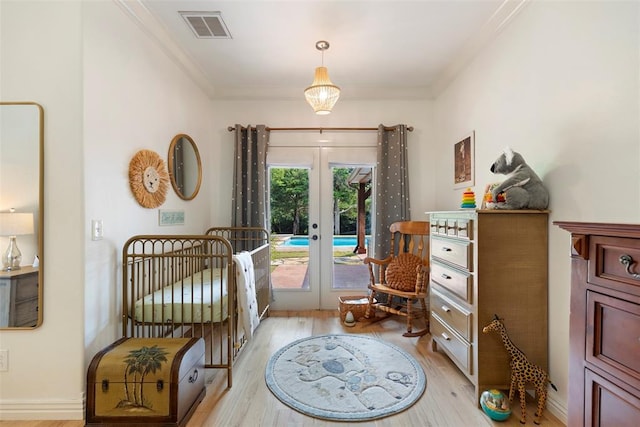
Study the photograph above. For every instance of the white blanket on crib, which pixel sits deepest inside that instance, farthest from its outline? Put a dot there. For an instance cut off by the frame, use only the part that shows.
(246, 288)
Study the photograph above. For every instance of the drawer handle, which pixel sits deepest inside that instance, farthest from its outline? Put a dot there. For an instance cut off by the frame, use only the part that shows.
(627, 261)
(445, 336)
(446, 277)
(194, 377)
(446, 309)
(445, 249)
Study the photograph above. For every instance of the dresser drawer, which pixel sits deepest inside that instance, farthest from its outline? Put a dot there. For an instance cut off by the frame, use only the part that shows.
(457, 282)
(26, 313)
(452, 227)
(464, 229)
(456, 347)
(433, 226)
(452, 314)
(453, 251)
(606, 266)
(613, 331)
(606, 404)
(26, 287)
(459, 228)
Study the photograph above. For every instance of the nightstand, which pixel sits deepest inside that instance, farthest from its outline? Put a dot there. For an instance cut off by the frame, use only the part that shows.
(19, 297)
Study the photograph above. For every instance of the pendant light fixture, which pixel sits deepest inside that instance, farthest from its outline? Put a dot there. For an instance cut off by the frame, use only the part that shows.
(322, 95)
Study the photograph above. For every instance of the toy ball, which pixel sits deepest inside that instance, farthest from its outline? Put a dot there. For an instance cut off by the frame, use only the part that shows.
(495, 404)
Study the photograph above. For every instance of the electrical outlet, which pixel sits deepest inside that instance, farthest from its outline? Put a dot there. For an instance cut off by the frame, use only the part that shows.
(4, 360)
(96, 229)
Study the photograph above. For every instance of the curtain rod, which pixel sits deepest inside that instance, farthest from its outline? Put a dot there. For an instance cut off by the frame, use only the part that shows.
(409, 128)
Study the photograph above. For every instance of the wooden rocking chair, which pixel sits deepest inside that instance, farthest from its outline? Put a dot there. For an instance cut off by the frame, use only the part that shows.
(402, 285)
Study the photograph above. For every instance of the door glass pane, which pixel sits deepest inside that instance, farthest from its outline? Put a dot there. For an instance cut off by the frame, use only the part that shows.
(351, 226)
(289, 211)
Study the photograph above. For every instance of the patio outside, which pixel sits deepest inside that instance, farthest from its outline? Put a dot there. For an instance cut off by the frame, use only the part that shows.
(289, 266)
(289, 218)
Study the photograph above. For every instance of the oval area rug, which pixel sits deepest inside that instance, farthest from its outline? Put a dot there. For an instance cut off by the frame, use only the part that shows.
(345, 377)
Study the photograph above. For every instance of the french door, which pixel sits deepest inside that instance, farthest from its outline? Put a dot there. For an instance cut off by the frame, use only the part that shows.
(311, 269)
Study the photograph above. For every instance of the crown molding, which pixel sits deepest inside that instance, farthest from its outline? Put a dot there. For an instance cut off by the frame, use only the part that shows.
(504, 15)
(145, 20)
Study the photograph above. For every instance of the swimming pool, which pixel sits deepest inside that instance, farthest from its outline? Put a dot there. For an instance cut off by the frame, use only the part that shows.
(337, 241)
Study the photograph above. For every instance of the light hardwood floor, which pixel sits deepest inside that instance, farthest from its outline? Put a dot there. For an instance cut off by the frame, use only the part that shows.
(447, 402)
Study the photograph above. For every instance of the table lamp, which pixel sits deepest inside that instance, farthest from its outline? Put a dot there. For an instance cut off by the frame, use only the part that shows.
(14, 224)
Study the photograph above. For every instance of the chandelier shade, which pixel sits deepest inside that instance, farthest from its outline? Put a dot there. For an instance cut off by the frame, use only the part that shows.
(322, 95)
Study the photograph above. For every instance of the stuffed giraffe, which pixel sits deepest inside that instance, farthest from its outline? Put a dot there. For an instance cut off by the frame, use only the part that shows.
(522, 372)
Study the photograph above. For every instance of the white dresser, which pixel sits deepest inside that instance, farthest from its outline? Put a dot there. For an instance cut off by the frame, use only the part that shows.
(486, 263)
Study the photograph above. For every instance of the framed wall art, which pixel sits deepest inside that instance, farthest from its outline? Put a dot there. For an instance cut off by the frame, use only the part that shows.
(464, 162)
(170, 217)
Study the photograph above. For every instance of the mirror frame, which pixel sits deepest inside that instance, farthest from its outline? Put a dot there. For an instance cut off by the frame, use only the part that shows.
(40, 220)
(170, 164)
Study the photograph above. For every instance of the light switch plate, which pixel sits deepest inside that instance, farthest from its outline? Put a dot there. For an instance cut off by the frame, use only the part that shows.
(96, 229)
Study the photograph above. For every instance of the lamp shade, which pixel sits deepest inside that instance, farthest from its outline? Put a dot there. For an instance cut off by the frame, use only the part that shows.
(322, 95)
(16, 224)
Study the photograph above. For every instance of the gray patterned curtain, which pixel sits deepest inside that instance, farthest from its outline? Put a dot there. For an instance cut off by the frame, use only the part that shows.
(392, 185)
(250, 181)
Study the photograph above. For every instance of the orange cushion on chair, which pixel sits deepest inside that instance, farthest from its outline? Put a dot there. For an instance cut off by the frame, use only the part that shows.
(402, 272)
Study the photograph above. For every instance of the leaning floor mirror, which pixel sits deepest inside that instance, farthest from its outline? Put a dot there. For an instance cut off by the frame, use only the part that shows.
(21, 214)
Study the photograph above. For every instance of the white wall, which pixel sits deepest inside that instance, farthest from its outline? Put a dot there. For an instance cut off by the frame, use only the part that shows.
(45, 66)
(559, 85)
(135, 98)
(104, 98)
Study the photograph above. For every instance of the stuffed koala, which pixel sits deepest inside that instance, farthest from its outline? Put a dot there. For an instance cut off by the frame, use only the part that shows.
(523, 189)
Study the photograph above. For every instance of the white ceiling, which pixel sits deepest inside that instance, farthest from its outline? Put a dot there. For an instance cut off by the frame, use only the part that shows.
(400, 49)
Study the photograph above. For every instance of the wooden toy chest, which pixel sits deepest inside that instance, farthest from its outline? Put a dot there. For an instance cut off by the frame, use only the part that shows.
(140, 381)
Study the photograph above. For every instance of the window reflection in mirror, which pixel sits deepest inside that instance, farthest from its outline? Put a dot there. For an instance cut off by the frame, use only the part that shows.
(21, 218)
(185, 168)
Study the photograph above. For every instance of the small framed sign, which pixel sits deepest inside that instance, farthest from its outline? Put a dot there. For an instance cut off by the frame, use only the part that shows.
(463, 162)
(170, 217)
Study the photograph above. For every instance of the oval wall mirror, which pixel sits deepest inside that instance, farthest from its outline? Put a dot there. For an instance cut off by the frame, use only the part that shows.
(185, 168)
(21, 214)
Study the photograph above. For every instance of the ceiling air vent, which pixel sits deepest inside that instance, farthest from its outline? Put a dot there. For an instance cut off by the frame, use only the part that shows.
(206, 25)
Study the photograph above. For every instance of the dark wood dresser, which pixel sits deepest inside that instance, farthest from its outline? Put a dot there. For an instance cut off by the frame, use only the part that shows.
(604, 352)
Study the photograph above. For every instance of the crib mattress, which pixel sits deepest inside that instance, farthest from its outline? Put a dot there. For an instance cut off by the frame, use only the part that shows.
(200, 298)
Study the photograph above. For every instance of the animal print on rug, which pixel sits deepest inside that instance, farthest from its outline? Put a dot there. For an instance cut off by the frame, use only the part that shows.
(345, 377)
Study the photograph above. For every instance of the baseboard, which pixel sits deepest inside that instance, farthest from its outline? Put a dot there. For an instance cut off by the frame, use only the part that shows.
(557, 409)
(41, 409)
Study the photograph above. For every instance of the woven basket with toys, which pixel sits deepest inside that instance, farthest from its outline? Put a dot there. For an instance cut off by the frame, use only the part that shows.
(357, 305)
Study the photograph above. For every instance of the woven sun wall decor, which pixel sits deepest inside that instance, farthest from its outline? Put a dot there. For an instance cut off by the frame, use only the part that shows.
(148, 178)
